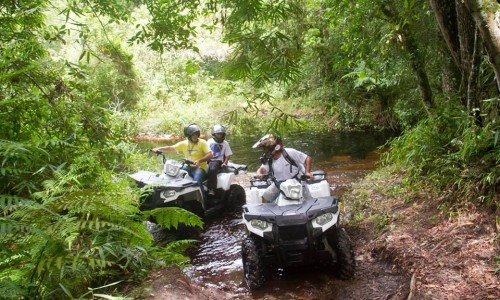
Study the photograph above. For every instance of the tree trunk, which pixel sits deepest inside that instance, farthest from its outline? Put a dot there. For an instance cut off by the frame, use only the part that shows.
(418, 66)
(446, 17)
(459, 30)
(473, 103)
(486, 13)
(467, 37)
(417, 61)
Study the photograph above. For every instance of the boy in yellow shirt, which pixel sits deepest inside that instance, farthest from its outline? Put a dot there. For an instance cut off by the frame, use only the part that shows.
(194, 149)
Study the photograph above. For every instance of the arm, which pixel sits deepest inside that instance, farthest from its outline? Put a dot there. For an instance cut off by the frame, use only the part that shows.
(164, 149)
(260, 172)
(307, 166)
(206, 157)
(227, 154)
(226, 161)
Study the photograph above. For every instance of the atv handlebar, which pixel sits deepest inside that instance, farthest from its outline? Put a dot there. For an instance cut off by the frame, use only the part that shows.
(187, 162)
(265, 177)
(164, 158)
(265, 180)
(158, 152)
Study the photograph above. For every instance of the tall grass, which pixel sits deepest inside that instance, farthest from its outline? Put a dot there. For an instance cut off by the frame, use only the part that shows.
(452, 153)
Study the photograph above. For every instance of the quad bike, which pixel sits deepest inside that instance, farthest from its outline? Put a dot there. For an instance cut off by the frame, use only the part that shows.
(301, 227)
(174, 187)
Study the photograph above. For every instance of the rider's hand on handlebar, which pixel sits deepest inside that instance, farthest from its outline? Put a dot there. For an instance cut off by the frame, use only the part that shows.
(259, 176)
(196, 163)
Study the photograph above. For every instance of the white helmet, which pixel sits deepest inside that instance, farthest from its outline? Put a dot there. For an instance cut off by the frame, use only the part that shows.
(219, 129)
(270, 144)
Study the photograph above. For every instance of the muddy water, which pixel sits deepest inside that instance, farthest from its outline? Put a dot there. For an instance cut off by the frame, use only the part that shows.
(216, 263)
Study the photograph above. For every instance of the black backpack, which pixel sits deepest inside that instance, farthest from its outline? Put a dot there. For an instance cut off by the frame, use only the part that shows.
(288, 159)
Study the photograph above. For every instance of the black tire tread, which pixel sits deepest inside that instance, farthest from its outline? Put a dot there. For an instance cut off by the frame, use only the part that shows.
(346, 263)
(237, 196)
(253, 269)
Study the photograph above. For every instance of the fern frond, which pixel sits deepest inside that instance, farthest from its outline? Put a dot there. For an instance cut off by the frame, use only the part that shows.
(9, 227)
(63, 182)
(26, 152)
(9, 203)
(11, 259)
(106, 204)
(54, 143)
(180, 246)
(98, 225)
(169, 217)
(6, 171)
(60, 262)
(174, 251)
(11, 289)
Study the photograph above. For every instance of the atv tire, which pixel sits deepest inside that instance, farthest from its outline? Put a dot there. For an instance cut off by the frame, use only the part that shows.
(253, 269)
(158, 233)
(194, 207)
(346, 263)
(237, 196)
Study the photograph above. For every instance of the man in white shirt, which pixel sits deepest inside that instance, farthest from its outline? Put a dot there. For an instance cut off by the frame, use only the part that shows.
(281, 163)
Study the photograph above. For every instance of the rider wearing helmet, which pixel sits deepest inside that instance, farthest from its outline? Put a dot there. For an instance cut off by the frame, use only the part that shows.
(219, 133)
(192, 129)
(280, 163)
(221, 152)
(194, 149)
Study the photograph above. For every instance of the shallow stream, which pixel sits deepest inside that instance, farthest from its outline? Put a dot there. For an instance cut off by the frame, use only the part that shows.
(216, 262)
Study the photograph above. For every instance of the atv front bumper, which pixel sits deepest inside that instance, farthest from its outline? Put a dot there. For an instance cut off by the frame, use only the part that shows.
(294, 235)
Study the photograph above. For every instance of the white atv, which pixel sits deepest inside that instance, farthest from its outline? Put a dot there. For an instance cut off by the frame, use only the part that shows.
(174, 187)
(301, 227)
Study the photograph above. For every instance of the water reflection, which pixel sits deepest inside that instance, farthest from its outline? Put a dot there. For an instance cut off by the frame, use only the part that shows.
(322, 147)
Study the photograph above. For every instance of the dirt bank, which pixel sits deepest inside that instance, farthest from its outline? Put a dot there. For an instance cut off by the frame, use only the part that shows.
(448, 253)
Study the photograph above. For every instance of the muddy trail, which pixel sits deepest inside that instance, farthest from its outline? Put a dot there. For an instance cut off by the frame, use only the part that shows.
(406, 245)
(217, 272)
(216, 264)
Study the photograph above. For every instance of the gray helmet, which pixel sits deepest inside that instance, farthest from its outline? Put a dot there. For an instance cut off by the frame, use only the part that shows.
(219, 129)
(191, 129)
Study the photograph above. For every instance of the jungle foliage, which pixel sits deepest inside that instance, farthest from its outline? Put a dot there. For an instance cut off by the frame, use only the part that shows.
(81, 78)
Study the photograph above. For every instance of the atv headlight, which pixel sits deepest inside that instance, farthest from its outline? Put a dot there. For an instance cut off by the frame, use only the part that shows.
(259, 224)
(323, 219)
(168, 193)
(292, 191)
(171, 169)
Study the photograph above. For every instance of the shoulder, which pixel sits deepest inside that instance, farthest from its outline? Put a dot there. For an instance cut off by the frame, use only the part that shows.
(295, 153)
(292, 151)
(180, 144)
(203, 144)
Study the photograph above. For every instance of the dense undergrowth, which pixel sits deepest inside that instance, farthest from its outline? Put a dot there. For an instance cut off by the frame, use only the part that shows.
(455, 156)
